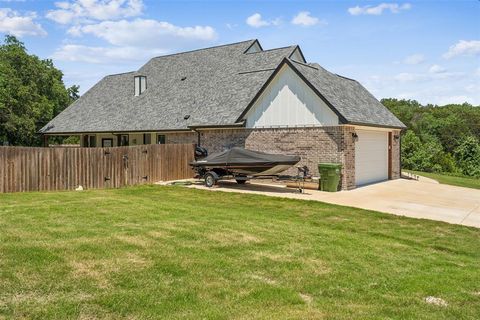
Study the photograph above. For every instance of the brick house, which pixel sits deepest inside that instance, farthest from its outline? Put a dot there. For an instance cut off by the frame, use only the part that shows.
(241, 95)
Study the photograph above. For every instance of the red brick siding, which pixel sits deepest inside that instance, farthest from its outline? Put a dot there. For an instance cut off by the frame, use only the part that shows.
(396, 165)
(314, 145)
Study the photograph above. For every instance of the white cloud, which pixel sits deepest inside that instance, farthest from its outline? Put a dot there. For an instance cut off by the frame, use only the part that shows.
(146, 33)
(473, 88)
(463, 48)
(407, 77)
(99, 10)
(426, 87)
(415, 77)
(457, 99)
(256, 21)
(378, 10)
(414, 59)
(436, 69)
(304, 18)
(12, 22)
(81, 53)
(135, 40)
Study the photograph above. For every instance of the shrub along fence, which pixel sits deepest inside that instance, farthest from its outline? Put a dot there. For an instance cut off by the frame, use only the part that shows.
(39, 169)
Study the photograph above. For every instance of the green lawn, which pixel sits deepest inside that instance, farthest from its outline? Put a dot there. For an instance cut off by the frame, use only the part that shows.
(452, 180)
(174, 252)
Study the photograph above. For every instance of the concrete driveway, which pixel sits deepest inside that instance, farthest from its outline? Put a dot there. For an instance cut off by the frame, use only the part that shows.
(417, 199)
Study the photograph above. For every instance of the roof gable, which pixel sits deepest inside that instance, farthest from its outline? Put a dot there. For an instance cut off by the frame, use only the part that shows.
(348, 97)
(217, 84)
(215, 87)
(289, 101)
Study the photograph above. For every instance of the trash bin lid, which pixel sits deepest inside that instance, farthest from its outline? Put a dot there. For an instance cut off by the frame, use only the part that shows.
(330, 165)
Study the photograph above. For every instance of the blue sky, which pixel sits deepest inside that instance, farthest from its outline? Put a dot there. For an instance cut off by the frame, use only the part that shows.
(423, 50)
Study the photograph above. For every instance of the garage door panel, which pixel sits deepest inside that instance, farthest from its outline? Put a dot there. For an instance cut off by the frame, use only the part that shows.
(371, 157)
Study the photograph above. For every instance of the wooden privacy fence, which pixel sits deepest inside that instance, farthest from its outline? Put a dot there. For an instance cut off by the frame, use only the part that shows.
(38, 169)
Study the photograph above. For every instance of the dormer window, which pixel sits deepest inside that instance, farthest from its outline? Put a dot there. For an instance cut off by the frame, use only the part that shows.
(140, 84)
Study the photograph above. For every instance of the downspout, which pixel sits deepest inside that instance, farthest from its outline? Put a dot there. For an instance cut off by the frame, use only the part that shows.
(198, 136)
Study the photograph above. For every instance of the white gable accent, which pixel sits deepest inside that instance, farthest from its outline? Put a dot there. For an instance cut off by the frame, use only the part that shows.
(289, 101)
(254, 48)
(297, 56)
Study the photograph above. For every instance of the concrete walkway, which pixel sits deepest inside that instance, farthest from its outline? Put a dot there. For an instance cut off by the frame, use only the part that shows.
(417, 199)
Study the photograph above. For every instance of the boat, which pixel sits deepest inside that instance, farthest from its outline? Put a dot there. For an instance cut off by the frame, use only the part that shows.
(241, 164)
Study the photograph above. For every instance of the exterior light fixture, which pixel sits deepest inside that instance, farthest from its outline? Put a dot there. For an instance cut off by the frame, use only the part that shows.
(396, 137)
(186, 117)
(355, 136)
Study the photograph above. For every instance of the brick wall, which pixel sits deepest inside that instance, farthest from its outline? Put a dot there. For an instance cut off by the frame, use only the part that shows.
(396, 165)
(314, 145)
(180, 137)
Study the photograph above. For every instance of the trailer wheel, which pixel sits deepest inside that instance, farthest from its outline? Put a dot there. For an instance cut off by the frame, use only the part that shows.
(210, 179)
(241, 181)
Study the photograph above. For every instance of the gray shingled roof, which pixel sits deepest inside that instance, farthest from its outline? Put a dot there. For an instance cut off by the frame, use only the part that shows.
(220, 83)
(355, 103)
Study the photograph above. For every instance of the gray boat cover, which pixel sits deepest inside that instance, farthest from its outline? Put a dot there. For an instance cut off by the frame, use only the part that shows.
(242, 156)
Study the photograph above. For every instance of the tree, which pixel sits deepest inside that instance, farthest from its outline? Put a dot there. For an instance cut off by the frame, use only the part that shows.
(32, 92)
(467, 155)
(439, 138)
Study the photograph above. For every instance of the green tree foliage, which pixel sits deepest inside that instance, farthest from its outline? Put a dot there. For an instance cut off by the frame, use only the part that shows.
(32, 92)
(468, 156)
(439, 138)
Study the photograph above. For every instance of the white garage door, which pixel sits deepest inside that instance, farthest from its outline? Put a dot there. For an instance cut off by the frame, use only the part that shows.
(371, 157)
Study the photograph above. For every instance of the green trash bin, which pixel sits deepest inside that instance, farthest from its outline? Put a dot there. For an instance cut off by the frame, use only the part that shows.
(329, 176)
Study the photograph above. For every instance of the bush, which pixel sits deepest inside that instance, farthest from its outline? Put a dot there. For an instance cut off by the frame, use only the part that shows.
(467, 155)
(439, 138)
(426, 156)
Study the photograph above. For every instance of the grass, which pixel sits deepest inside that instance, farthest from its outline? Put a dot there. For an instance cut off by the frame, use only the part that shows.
(177, 253)
(465, 182)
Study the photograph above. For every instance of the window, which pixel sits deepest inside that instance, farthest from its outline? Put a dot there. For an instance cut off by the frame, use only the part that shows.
(123, 140)
(161, 139)
(140, 84)
(147, 138)
(92, 141)
(107, 142)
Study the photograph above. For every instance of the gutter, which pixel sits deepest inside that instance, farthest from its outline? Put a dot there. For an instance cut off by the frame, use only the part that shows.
(240, 124)
(74, 133)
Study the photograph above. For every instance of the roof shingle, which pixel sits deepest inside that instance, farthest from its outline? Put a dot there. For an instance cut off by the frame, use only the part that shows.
(218, 84)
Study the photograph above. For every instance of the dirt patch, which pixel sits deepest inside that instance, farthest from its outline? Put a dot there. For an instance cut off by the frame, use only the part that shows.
(134, 240)
(233, 237)
(93, 269)
(306, 298)
(158, 234)
(99, 270)
(436, 301)
(263, 279)
(273, 256)
(317, 266)
(135, 260)
(42, 298)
